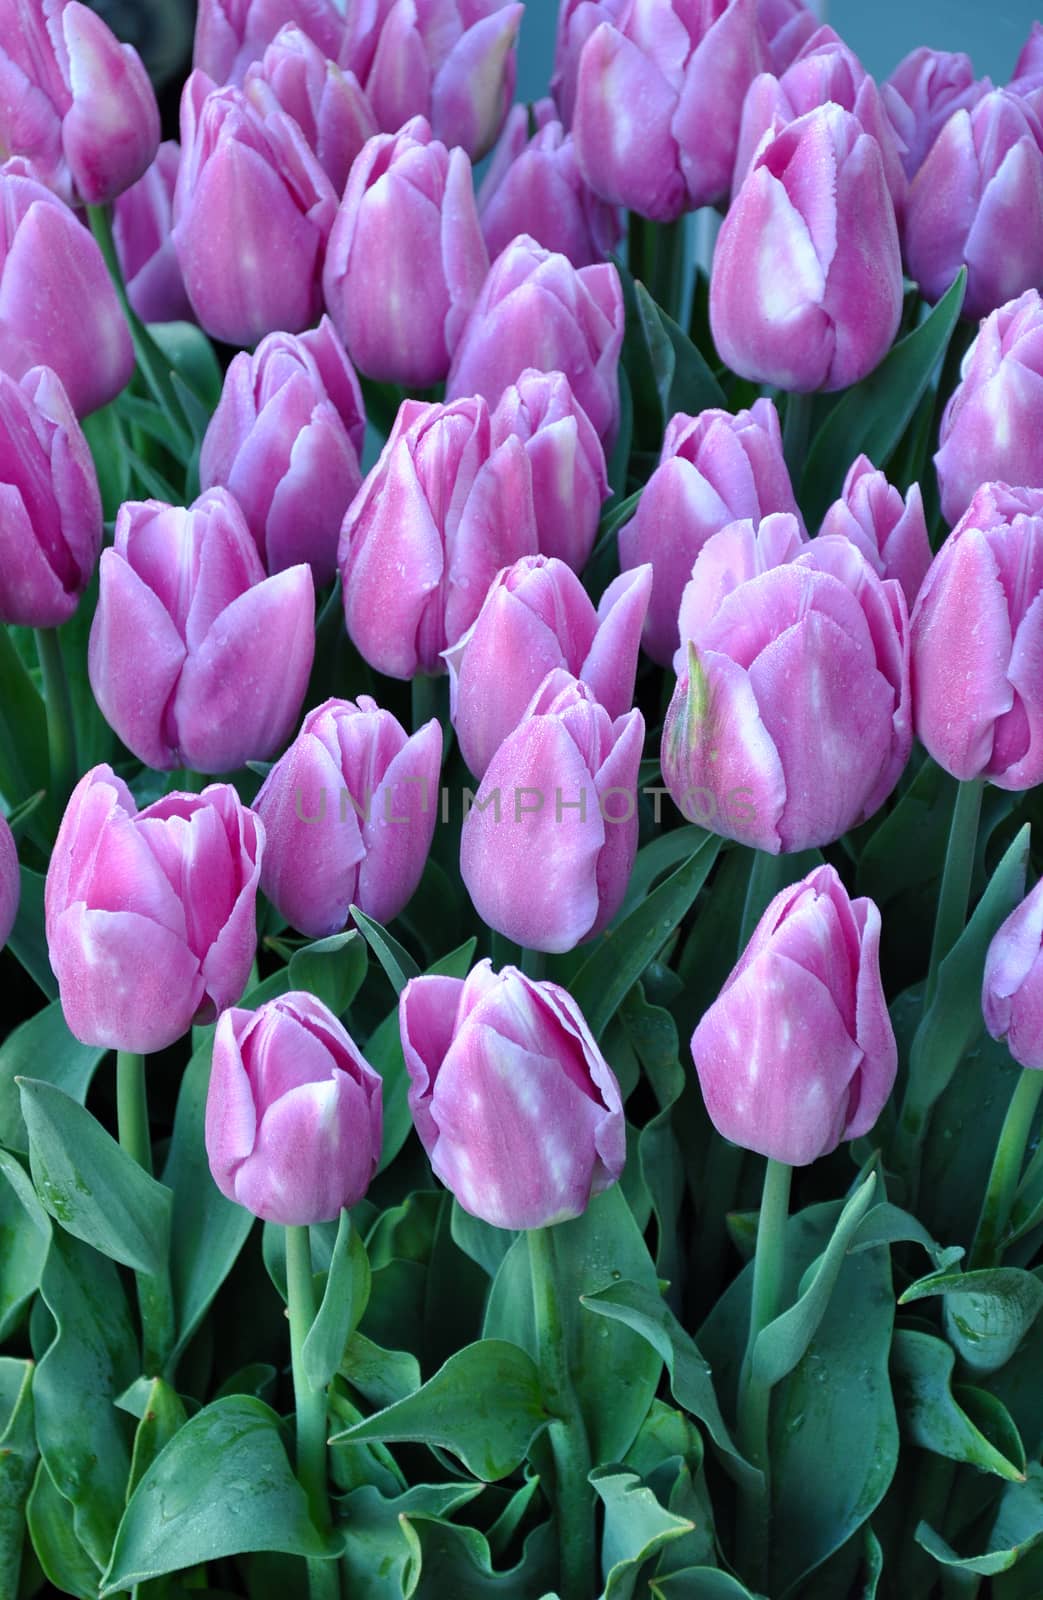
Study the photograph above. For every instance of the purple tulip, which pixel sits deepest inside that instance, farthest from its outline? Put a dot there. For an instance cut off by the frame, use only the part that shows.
(992, 429)
(150, 914)
(252, 213)
(10, 881)
(232, 34)
(349, 814)
(435, 520)
(741, 551)
(806, 289)
(1012, 991)
(287, 446)
(1028, 69)
(922, 93)
(141, 222)
(977, 635)
(537, 617)
(518, 1110)
(325, 101)
(197, 659)
(890, 532)
(791, 722)
(810, 971)
(294, 1112)
(569, 480)
(787, 26)
(548, 846)
(58, 307)
(50, 534)
(534, 186)
(537, 310)
(406, 259)
(713, 469)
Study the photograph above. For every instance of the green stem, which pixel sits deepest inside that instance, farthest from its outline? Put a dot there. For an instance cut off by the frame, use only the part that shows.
(534, 964)
(155, 1295)
(425, 699)
(61, 726)
(574, 1509)
(323, 1582)
(132, 1107)
(796, 431)
(987, 1250)
(956, 878)
(656, 257)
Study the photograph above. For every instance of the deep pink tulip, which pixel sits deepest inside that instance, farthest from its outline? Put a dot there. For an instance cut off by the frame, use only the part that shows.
(787, 27)
(518, 1110)
(141, 222)
(325, 101)
(406, 259)
(252, 213)
(977, 642)
(537, 310)
(739, 552)
(569, 479)
(151, 914)
(791, 721)
(713, 469)
(435, 520)
(806, 288)
(890, 532)
(922, 93)
(294, 1113)
(50, 532)
(349, 813)
(537, 616)
(548, 846)
(10, 881)
(58, 307)
(1012, 991)
(231, 34)
(285, 440)
(810, 971)
(196, 658)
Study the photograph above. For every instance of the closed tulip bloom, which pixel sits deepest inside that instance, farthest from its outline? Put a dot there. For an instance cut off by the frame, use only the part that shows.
(548, 846)
(790, 723)
(150, 914)
(435, 520)
(787, 26)
(569, 478)
(326, 101)
(51, 527)
(811, 971)
(406, 257)
(977, 633)
(10, 881)
(349, 813)
(252, 213)
(283, 447)
(141, 222)
(294, 1112)
(713, 469)
(1012, 991)
(537, 310)
(982, 180)
(890, 532)
(806, 287)
(518, 1110)
(196, 659)
(58, 307)
(232, 34)
(739, 552)
(922, 93)
(537, 617)
(1028, 69)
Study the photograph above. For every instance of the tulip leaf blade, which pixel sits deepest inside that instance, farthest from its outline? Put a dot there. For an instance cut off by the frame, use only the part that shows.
(332, 969)
(1016, 1530)
(28, 938)
(637, 1527)
(343, 1303)
(162, 1416)
(396, 961)
(934, 1413)
(18, 1457)
(24, 761)
(987, 1313)
(62, 1558)
(665, 371)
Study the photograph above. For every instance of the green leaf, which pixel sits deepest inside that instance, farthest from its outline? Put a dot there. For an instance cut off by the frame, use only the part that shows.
(987, 1314)
(484, 1405)
(193, 359)
(344, 1301)
(332, 969)
(1018, 1528)
(888, 1224)
(480, 1240)
(932, 1415)
(698, 1583)
(380, 1376)
(104, 434)
(28, 940)
(908, 847)
(49, 1520)
(378, 1555)
(42, 1042)
(452, 1560)
(636, 1529)
(18, 1457)
(221, 1486)
(23, 1248)
(397, 963)
(162, 1416)
(658, 856)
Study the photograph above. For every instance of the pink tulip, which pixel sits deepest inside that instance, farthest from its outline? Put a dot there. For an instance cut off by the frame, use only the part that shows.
(890, 532)
(285, 440)
(1028, 69)
(141, 222)
(150, 914)
(810, 971)
(197, 659)
(922, 93)
(537, 617)
(349, 813)
(1012, 991)
(738, 553)
(232, 34)
(518, 1110)
(325, 101)
(787, 27)
(10, 881)
(294, 1112)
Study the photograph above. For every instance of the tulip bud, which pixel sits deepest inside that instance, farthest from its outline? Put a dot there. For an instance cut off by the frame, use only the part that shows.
(518, 1110)
(534, 186)
(406, 257)
(890, 532)
(977, 690)
(537, 617)
(1028, 69)
(537, 310)
(790, 723)
(10, 881)
(569, 480)
(811, 971)
(435, 520)
(349, 815)
(560, 792)
(992, 428)
(294, 1112)
(50, 534)
(252, 213)
(739, 552)
(232, 34)
(196, 659)
(806, 288)
(141, 222)
(1012, 992)
(325, 101)
(286, 452)
(58, 307)
(150, 914)
(922, 93)
(787, 26)
(713, 469)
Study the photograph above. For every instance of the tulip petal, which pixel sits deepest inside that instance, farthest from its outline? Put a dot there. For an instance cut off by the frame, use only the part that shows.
(126, 982)
(133, 687)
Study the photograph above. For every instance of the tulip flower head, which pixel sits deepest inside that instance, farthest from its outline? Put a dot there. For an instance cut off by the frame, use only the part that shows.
(890, 532)
(10, 881)
(142, 219)
(922, 93)
(324, 100)
(1012, 991)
